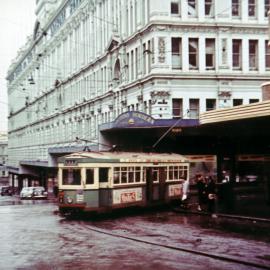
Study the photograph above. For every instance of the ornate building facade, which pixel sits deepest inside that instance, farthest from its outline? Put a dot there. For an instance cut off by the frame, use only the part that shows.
(91, 61)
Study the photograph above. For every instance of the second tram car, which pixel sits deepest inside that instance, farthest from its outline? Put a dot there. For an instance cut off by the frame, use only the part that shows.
(103, 181)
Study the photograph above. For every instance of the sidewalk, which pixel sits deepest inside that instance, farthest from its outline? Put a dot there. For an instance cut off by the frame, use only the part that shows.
(220, 214)
(255, 209)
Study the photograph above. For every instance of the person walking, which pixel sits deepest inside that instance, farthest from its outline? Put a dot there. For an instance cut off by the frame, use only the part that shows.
(201, 191)
(55, 191)
(210, 188)
(185, 190)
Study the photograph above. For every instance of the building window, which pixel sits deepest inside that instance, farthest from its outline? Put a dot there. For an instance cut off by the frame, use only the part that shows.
(253, 54)
(194, 108)
(209, 8)
(132, 65)
(127, 67)
(117, 72)
(266, 7)
(177, 107)
(175, 8)
(235, 8)
(251, 8)
(210, 104)
(267, 55)
(210, 53)
(193, 53)
(176, 53)
(192, 8)
(144, 58)
(237, 101)
(253, 100)
(237, 50)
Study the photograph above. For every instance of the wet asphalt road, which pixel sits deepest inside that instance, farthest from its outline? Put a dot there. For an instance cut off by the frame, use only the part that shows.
(33, 236)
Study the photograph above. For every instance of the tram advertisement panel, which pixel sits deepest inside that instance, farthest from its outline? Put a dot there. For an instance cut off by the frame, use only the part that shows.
(175, 190)
(128, 195)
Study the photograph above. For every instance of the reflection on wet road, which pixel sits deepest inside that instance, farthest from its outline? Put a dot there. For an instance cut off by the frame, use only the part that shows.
(33, 236)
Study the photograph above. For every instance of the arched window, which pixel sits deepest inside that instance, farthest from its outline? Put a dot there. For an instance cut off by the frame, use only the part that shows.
(117, 72)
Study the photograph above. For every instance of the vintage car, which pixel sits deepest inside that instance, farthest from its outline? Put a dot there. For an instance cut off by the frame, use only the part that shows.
(33, 193)
(6, 190)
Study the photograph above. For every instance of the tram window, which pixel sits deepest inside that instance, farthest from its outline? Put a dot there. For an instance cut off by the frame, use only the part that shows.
(131, 174)
(170, 173)
(137, 174)
(183, 174)
(71, 177)
(116, 176)
(177, 172)
(144, 174)
(155, 175)
(89, 176)
(124, 177)
(166, 173)
(103, 175)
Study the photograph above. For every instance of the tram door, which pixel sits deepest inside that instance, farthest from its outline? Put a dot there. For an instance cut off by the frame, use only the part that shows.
(155, 183)
(162, 179)
(149, 183)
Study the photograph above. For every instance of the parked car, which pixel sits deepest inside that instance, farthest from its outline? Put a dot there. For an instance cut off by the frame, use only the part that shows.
(33, 193)
(6, 190)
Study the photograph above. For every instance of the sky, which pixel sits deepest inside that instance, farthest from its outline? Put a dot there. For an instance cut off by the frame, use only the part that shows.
(17, 19)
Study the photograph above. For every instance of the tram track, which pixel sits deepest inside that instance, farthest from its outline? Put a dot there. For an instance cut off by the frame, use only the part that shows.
(182, 249)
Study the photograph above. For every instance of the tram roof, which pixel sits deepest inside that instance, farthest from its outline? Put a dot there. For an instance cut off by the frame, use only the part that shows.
(115, 157)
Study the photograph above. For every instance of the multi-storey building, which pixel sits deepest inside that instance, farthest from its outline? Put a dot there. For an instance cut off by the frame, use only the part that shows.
(3, 157)
(90, 62)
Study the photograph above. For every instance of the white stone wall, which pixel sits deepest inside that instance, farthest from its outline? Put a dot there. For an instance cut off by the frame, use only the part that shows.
(77, 85)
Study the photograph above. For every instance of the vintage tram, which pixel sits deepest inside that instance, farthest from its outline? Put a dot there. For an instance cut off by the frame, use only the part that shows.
(103, 181)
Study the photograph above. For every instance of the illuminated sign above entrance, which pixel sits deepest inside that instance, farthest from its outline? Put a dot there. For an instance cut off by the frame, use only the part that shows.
(134, 118)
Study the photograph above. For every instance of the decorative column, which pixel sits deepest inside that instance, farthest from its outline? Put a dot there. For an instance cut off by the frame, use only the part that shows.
(261, 55)
(245, 55)
(185, 53)
(201, 55)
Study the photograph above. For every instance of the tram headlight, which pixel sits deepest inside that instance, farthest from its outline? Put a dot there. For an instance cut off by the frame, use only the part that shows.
(69, 200)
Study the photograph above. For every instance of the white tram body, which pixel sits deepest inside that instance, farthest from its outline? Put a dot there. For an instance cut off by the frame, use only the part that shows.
(102, 181)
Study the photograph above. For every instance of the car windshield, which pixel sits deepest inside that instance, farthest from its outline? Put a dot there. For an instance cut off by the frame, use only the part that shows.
(39, 188)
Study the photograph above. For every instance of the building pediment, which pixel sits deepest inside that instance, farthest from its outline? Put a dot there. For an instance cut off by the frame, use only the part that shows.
(113, 43)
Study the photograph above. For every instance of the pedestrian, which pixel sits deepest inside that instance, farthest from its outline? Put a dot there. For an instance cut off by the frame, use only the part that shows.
(184, 199)
(55, 191)
(210, 188)
(201, 191)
